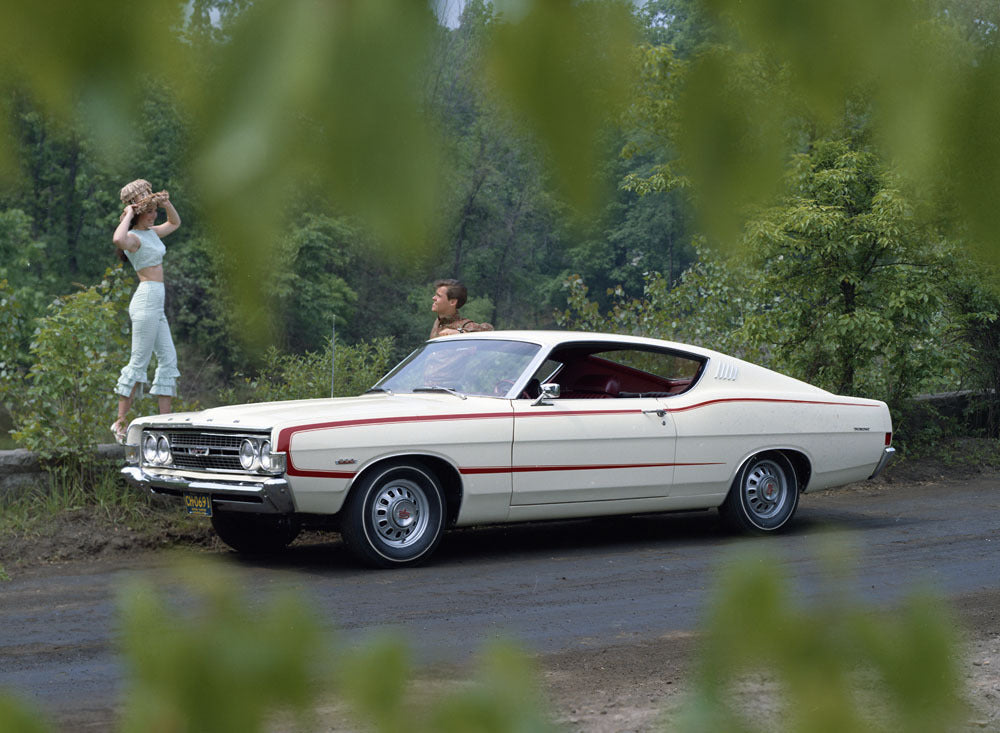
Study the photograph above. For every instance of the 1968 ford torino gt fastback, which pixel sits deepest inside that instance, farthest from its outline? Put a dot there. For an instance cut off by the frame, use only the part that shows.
(509, 426)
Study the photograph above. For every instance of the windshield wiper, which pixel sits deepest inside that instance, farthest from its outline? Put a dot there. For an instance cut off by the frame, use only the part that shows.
(439, 388)
(379, 389)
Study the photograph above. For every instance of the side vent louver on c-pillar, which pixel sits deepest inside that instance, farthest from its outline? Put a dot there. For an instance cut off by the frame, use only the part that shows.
(727, 370)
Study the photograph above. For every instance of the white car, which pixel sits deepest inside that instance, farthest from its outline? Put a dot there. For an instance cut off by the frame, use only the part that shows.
(511, 426)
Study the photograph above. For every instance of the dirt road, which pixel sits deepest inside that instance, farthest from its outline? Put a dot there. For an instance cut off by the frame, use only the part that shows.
(612, 607)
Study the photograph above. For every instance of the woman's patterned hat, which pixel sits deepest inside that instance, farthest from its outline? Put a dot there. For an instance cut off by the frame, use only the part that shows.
(139, 193)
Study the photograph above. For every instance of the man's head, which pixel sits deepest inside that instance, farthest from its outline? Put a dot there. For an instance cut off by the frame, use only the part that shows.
(449, 296)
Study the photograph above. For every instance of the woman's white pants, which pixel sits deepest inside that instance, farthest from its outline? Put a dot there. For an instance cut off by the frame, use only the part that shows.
(150, 335)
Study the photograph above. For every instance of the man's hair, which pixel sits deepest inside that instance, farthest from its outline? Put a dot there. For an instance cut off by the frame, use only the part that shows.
(455, 291)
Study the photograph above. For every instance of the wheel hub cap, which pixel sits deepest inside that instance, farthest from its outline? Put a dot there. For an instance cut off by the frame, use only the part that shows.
(404, 513)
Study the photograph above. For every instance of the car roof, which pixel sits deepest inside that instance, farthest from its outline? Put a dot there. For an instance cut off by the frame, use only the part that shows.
(549, 339)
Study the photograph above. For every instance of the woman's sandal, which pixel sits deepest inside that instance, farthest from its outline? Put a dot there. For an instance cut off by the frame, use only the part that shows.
(118, 430)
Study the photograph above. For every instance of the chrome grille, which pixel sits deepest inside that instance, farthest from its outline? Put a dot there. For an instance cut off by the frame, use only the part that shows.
(205, 451)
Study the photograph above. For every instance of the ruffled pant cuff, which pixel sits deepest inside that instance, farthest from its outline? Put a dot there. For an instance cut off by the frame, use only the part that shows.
(165, 381)
(163, 390)
(127, 381)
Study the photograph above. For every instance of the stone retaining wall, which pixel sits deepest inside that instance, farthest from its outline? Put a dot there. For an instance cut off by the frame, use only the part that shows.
(21, 471)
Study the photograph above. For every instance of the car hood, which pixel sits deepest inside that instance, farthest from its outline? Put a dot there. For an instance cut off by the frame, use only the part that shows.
(278, 415)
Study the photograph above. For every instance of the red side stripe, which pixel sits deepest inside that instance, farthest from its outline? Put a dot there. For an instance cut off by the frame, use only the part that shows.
(767, 399)
(513, 469)
(530, 469)
(284, 437)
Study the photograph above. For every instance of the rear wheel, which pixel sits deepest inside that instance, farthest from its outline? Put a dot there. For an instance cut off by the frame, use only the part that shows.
(764, 495)
(255, 534)
(395, 516)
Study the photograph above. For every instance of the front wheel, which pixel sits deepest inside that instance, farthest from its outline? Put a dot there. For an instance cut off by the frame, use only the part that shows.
(255, 534)
(395, 516)
(764, 495)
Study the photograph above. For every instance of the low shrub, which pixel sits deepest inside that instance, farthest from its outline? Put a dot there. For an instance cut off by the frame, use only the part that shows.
(354, 368)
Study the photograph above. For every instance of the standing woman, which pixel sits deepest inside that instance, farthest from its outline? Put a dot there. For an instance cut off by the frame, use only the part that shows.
(137, 239)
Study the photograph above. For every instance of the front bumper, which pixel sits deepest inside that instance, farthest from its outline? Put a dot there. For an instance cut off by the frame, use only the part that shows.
(266, 496)
(887, 454)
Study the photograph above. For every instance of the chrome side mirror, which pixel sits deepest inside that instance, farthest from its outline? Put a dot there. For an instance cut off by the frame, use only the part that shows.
(550, 391)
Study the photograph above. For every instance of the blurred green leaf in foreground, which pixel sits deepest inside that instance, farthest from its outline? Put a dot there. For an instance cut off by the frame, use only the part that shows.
(837, 666)
(224, 663)
(207, 657)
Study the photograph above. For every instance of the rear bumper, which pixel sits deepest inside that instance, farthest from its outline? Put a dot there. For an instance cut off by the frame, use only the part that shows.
(887, 455)
(267, 496)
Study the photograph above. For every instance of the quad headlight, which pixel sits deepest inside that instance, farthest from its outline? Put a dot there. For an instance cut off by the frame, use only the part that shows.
(149, 448)
(156, 449)
(265, 455)
(248, 453)
(256, 455)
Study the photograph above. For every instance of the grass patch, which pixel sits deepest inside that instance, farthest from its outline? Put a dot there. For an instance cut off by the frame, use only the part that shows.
(75, 516)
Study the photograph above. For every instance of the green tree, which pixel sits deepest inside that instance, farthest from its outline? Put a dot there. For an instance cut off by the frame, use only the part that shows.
(14, 344)
(977, 305)
(310, 286)
(848, 293)
(683, 25)
(838, 284)
(927, 68)
(707, 306)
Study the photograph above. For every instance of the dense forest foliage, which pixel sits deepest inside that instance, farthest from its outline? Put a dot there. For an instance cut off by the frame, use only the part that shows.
(845, 268)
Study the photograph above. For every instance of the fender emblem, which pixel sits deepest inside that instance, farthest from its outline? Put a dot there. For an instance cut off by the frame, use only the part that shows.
(346, 461)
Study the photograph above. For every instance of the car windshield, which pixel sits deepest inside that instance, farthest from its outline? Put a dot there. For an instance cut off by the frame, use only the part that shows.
(488, 367)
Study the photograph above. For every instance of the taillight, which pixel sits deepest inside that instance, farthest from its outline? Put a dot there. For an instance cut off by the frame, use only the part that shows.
(888, 439)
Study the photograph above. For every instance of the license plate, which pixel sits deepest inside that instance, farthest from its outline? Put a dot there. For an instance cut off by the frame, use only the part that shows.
(199, 505)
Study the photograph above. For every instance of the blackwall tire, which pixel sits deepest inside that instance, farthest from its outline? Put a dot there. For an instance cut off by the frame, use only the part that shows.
(395, 516)
(764, 495)
(255, 534)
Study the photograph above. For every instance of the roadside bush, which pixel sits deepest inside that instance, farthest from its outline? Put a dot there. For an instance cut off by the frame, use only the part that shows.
(307, 376)
(65, 402)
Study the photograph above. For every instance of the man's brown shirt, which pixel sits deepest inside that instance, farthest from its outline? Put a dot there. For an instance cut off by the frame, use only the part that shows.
(460, 324)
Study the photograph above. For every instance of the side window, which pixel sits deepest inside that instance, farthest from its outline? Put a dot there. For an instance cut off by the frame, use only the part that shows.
(656, 363)
(545, 373)
(648, 373)
(548, 371)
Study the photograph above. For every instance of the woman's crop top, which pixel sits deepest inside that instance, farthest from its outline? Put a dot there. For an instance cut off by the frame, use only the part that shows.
(150, 252)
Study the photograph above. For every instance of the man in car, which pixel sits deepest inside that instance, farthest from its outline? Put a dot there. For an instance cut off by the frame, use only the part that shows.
(449, 296)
